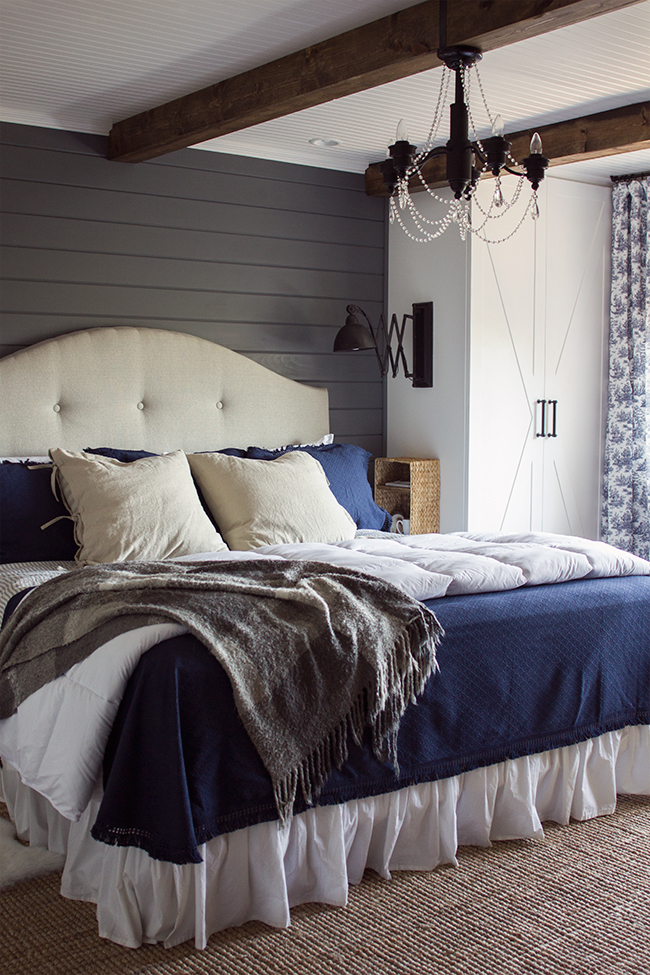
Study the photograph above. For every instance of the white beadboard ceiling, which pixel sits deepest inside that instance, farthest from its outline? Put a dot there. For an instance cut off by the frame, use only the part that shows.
(84, 64)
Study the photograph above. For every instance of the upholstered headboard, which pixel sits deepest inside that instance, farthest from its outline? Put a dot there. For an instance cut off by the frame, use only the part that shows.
(147, 388)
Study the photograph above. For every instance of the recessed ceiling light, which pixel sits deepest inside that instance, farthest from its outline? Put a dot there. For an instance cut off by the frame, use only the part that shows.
(324, 143)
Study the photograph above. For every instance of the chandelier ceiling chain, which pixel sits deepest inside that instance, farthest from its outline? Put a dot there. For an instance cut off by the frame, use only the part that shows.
(468, 158)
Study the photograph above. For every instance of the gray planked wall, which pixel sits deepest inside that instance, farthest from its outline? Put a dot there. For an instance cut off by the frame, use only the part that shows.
(259, 256)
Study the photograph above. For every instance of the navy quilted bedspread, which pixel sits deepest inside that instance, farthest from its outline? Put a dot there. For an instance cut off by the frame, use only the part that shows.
(520, 672)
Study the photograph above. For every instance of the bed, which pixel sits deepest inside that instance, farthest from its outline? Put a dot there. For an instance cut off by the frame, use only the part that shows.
(537, 707)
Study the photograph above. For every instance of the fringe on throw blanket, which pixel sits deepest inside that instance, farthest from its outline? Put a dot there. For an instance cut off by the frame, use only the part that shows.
(408, 668)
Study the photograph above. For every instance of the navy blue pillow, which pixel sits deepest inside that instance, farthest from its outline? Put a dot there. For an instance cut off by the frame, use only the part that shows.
(26, 503)
(346, 468)
(126, 456)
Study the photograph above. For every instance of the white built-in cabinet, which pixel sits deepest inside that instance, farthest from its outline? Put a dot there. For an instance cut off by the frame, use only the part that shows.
(514, 323)
(539, 306)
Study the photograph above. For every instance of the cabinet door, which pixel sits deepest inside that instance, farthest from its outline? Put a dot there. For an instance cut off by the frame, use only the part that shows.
(506, 378)
(577, 313)
(539, 308)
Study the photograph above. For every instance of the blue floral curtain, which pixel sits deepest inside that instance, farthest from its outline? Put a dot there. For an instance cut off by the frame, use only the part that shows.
(626, 486)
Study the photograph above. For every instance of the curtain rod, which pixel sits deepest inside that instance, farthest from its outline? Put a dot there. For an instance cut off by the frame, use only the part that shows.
(629, 179)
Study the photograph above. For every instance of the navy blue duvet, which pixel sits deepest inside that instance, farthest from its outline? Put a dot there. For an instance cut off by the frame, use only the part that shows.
(521, 672)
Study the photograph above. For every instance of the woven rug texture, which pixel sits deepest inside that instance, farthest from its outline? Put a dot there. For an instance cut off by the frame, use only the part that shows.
(574, 903)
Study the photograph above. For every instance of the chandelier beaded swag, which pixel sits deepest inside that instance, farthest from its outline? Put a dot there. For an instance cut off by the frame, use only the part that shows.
(467, 159)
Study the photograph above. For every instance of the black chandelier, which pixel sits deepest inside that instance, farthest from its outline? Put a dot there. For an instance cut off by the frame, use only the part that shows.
(466, 159)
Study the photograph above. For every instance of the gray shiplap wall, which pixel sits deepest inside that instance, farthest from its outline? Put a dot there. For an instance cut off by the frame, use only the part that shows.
(261, 257)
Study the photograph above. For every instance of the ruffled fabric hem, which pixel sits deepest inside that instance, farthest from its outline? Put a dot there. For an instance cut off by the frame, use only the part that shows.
(261, 872)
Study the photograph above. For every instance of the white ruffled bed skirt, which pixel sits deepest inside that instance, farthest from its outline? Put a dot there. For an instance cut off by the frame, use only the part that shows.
(261, 872)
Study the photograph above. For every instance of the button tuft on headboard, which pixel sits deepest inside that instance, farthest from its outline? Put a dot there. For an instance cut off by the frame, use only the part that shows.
(140, 406)
(57, 408)
(219, 405)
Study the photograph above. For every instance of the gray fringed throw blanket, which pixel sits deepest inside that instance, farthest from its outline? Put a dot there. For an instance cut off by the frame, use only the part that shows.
(312, 650)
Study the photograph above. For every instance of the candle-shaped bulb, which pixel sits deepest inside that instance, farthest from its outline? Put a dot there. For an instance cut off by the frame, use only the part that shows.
(498, 128)
(401, 135)
(535, 144)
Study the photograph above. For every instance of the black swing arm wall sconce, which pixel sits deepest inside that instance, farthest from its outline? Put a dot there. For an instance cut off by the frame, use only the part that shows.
(356, 337)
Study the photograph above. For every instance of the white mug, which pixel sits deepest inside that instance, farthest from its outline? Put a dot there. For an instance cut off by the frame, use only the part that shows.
(400, 525)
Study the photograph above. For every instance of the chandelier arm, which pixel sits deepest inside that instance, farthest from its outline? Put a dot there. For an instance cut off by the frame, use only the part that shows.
(478, 151)
(431, 154)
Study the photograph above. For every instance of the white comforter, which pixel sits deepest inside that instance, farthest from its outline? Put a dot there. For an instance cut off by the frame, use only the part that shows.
(81, 705)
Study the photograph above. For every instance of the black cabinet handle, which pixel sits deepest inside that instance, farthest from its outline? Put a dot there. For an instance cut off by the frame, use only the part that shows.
(552, 423)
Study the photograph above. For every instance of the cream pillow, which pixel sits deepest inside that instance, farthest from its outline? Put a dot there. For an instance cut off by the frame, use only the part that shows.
(146, 510)
(270, 502)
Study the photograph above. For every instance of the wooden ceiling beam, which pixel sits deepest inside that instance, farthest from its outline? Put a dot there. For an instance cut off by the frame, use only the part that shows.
(620, 130)
(397, 46)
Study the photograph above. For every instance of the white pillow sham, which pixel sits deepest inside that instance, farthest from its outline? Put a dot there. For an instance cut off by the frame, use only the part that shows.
(270, 502)
(148, 509)
(324, 441)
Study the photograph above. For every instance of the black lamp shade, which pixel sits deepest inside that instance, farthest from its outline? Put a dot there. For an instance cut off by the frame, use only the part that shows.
(353, 337)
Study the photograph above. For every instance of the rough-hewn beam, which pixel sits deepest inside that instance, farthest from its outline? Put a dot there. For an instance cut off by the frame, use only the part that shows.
(620, 130)
(396, 46)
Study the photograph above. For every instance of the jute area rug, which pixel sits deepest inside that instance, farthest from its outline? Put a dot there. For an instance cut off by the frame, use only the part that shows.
(575, 903)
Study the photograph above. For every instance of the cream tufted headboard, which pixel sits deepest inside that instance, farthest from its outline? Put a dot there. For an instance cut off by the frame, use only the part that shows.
(148, 389)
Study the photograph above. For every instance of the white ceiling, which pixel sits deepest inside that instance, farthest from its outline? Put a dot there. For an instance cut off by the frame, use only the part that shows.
(84, 64)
